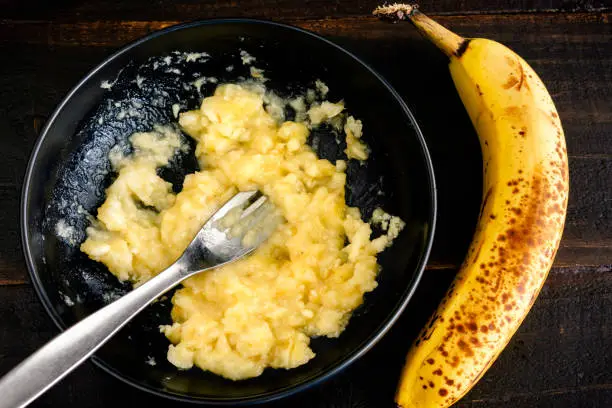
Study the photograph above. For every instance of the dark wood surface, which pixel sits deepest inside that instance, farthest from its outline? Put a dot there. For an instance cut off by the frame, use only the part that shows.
(562, 354)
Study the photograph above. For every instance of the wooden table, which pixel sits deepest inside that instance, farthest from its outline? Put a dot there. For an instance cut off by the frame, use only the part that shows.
(562, 354)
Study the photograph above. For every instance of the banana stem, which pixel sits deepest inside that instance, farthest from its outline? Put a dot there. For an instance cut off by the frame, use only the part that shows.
(447, 41)
(450, 43)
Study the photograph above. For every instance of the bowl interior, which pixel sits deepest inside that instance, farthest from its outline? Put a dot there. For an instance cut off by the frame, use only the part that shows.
(69, 171)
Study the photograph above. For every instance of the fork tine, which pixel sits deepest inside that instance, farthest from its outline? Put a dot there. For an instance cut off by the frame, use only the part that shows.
(253, 207)
(242, 199)
(255, 219)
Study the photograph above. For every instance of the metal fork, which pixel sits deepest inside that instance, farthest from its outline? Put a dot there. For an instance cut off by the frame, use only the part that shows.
(213, 246)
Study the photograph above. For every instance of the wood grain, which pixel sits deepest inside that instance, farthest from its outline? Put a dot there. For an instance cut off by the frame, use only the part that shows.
(502, 27)
(559, 354)
(274, 9)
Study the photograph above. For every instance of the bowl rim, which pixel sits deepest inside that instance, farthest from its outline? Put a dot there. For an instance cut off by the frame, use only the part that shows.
(310, 382)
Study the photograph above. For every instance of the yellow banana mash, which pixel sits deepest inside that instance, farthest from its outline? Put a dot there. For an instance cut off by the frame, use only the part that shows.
(304, 281)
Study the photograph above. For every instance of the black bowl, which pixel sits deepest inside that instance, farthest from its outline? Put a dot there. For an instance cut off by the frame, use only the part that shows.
(69, 170)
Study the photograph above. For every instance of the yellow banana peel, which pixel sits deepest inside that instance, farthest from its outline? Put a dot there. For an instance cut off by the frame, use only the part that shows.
(521, 220)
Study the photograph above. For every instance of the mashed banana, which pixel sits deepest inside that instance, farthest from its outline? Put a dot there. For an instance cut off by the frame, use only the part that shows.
(262, 310)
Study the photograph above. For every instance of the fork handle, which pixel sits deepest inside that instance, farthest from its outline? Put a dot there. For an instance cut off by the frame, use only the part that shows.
(62, 354)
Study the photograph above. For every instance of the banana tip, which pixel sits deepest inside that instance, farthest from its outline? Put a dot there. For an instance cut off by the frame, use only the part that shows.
(395, 12)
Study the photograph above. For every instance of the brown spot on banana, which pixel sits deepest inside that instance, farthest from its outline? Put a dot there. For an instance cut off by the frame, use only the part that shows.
(485, 200)
(516, 78)
(522, 78)
(511, 82)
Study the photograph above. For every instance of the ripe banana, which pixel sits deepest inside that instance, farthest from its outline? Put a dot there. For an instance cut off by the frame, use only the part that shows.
(521, 218)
